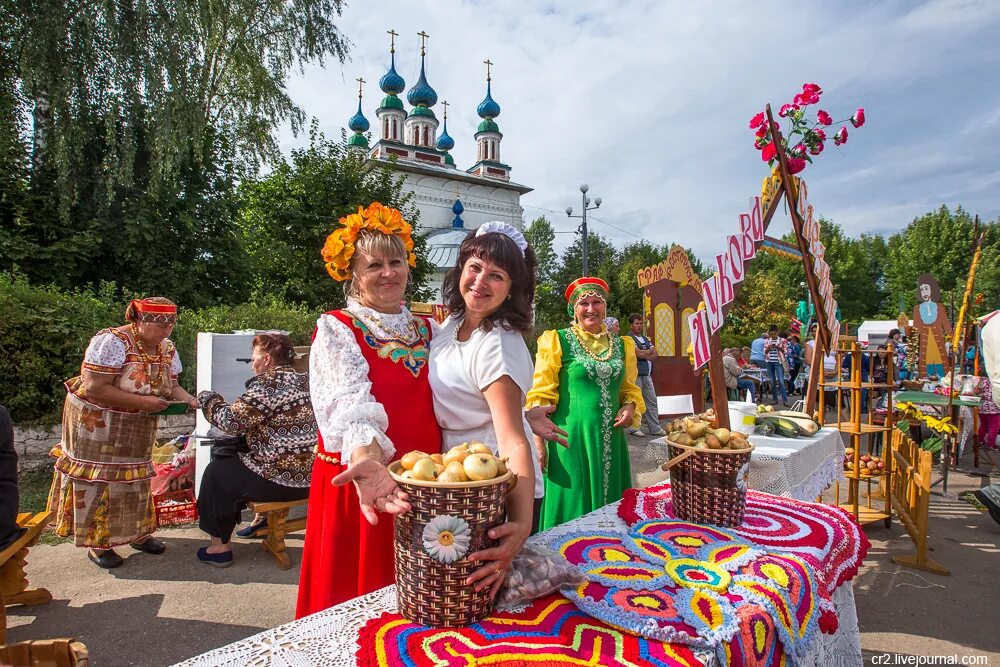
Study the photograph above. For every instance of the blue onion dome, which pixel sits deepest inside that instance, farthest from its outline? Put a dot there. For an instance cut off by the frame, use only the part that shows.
(422, 95)
(391, 82)
(488, 126)
(445, 142)
(488, 108)
(358, 122)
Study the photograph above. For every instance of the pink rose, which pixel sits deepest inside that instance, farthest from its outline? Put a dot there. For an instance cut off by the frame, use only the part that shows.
(805, 98)
(823, 118)
(819, 133)
(812, 88)
(769, 152)
(787, 109)
(816, 148)
(757, 121)
(761, 131)
(799, 150)
(795, 165)
(858, 119)
(841, 136)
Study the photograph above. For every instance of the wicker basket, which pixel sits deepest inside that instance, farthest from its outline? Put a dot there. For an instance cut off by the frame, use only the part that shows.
(708, 485)
(431, 591)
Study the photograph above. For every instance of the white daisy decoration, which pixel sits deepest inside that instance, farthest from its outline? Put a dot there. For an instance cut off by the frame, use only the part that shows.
(447, 538)
(743, 476)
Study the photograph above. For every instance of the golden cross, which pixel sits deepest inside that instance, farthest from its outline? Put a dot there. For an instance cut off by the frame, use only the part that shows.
(361, 83)
(488, 64)
(392, 40)
(445, 105)
(423, 38)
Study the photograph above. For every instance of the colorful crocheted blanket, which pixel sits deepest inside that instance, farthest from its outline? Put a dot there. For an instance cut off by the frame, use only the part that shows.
(827, 537)
(684, 582)
(551, 631)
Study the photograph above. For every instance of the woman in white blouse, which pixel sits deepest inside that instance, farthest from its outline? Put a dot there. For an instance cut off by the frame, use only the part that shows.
(481, 371)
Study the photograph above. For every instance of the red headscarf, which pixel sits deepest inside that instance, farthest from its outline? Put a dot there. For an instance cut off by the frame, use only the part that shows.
(154, 309)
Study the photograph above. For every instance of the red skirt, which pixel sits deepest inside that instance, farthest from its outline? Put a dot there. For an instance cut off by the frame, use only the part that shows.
(344, 555)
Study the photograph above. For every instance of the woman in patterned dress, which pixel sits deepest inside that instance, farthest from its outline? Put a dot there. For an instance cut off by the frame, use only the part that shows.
(101, 491)
(590, 377)
(372, 402)
(276, 417)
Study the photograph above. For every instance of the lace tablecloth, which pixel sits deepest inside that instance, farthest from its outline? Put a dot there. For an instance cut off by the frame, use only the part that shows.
(328, 638)
(797, 468)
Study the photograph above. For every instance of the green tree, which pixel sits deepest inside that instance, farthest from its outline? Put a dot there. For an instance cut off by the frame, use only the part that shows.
(940, 243)
(288, 214)
(760, 303)
(550, 308)
(144, 115)
(627, 298)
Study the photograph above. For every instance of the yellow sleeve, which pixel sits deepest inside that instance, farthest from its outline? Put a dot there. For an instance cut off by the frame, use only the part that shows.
(630, 392)
(548, 362)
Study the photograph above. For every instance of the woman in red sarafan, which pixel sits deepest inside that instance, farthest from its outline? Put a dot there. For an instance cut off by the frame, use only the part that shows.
(372, 402)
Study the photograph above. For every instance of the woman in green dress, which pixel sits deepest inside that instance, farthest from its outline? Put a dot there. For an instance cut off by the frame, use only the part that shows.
(588, 375)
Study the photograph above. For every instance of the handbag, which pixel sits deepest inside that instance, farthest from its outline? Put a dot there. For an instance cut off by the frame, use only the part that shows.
(228, 446)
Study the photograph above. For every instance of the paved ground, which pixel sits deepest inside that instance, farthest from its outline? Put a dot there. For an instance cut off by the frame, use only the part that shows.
(157, 610)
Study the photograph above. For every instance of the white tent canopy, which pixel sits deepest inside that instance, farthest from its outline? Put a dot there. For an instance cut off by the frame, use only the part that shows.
(876, 332)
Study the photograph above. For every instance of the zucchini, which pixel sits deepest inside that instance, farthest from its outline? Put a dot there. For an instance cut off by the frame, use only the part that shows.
(782, 425)
(806, 427)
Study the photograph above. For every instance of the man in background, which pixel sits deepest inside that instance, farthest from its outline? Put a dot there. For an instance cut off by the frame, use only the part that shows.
(644, 355)
(757, 352)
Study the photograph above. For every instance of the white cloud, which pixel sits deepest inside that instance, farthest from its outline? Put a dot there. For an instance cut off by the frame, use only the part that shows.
(648, 102)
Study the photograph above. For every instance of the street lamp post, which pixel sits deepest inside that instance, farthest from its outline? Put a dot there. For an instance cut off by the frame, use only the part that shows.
(583, 226)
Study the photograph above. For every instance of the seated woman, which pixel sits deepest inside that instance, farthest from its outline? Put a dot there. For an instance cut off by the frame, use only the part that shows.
(276, 417)
(589, 375)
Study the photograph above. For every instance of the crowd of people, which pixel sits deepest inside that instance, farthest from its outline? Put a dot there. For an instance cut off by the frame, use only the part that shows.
(382, 382)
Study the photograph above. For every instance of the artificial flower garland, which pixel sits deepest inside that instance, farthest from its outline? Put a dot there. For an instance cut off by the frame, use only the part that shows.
(339, 246)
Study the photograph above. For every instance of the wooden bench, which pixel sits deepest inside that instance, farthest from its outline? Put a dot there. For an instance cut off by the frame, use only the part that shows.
(45, 653)
(13, 582)
(278, 525)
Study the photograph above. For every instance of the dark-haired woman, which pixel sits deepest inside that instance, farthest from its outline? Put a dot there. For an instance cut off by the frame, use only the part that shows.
(276, 416)
(481, 371)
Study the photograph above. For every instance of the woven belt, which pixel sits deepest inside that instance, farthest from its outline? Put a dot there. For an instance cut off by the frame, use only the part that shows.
(327, 458)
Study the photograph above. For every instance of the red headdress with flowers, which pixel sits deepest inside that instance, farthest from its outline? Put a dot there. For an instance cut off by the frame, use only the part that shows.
(584, 287)
(339, 247)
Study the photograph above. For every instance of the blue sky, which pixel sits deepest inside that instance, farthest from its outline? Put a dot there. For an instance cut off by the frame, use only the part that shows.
(648, 102)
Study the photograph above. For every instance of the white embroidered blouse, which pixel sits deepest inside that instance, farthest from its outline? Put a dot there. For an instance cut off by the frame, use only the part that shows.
(106, 349)
(347, 414)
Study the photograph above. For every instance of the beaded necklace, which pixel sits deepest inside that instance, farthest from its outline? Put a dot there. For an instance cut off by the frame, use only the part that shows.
(604, 356)
(154, 383)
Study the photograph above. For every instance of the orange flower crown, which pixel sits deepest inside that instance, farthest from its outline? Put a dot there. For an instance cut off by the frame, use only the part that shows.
(339, 247)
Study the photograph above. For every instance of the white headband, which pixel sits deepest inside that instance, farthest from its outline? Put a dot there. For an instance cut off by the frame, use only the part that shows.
(509, 231)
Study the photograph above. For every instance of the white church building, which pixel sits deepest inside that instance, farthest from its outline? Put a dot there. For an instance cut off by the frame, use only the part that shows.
(451, 201)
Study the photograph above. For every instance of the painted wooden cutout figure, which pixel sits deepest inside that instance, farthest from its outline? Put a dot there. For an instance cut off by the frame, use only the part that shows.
(930, 322)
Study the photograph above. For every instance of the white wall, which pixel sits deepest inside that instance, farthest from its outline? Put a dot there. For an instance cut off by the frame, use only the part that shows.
(434, 196)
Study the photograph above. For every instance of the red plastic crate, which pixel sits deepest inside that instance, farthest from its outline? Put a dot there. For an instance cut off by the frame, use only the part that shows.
(176, 508)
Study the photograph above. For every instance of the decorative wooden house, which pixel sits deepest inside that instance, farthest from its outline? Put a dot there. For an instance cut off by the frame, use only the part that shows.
(671, 292)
